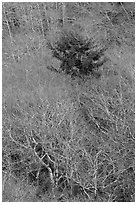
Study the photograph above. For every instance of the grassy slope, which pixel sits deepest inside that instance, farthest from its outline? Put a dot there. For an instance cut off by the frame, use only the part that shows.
(36, 98)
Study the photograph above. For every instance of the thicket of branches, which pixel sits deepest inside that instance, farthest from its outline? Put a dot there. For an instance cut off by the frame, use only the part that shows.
(68, 102)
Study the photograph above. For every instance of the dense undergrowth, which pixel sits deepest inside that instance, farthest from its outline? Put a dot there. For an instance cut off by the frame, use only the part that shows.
(68, 102)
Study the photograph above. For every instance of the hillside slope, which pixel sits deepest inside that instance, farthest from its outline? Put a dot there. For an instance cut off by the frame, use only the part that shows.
(68, 102)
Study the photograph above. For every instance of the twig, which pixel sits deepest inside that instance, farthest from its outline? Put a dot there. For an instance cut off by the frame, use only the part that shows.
(9, 30)
(121, 3)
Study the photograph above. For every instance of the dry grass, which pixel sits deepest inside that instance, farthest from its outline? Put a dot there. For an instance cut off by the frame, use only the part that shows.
(85, 128)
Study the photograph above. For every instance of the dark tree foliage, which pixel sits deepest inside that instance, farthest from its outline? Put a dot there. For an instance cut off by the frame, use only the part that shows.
(78, 56)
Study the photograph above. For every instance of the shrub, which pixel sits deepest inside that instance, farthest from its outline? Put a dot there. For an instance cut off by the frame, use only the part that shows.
(76, 55)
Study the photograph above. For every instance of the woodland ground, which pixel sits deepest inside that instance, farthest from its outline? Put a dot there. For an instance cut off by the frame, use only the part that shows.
(88, 151)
